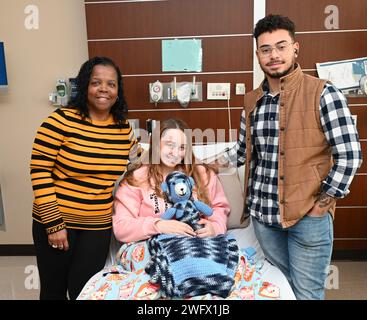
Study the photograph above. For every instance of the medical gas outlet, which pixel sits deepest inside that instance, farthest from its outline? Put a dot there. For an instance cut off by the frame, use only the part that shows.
(181, 92)
(156, 91)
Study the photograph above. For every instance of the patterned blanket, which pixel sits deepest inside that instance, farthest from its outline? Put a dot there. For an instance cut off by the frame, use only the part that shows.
(139, 273)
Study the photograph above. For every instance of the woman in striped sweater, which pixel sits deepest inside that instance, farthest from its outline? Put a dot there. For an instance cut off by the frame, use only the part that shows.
(77, 155)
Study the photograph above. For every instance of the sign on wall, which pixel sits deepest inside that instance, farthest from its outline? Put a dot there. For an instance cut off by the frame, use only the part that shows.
(183, 55)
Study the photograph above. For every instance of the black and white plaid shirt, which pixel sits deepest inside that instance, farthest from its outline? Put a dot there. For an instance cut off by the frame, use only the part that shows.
(340, 132)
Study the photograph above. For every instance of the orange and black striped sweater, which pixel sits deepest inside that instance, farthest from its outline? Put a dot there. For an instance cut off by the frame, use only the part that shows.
(74, 166)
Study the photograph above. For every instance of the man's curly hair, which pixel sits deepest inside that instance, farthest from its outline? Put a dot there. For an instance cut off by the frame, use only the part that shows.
(274, 22)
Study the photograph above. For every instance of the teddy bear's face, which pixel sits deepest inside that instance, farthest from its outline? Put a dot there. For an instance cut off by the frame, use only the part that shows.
(181, 189)
(178, 186)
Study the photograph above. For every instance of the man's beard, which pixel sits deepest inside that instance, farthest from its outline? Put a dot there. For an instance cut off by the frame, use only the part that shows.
(278, 75)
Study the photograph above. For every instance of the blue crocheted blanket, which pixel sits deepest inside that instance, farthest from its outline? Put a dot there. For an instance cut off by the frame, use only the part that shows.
(190, 266)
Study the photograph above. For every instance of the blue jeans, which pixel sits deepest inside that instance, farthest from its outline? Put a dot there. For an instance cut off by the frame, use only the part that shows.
(302, 252)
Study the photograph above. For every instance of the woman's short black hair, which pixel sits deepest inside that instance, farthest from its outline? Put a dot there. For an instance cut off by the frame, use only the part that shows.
(274, 22)
(80, 102)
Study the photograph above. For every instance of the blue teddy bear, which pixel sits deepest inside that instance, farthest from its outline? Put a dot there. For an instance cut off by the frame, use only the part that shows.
(178, 189)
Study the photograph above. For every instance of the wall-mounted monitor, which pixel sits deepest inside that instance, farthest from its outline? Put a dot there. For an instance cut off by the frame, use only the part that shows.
(3, 77)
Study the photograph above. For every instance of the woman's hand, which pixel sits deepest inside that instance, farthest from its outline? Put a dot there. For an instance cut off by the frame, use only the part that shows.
(207, 231)
(174, 226)
(59, 240)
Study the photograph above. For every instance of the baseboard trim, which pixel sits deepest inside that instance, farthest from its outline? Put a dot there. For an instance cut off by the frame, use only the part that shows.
(354, 255)
(17, 250)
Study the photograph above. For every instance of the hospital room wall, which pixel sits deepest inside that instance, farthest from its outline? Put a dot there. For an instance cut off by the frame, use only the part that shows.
(35, 58)
(131, 32)
(320, 44)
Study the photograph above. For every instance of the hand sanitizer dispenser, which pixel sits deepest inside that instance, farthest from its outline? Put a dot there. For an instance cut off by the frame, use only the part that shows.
(61, 92)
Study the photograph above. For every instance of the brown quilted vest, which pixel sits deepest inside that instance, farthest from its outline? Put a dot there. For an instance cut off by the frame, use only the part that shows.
(304, 157)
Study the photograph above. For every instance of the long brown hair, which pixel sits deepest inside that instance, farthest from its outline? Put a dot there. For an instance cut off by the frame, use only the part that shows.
(189, 164)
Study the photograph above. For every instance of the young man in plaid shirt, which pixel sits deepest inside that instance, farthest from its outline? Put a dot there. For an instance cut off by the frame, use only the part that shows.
(301, 150)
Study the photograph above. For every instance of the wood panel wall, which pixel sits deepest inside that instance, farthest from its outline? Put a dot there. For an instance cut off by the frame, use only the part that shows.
(317, 44)
(131, 33)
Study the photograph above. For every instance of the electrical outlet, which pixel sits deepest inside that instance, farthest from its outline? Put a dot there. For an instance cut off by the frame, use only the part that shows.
(240, 89)
(218, 91)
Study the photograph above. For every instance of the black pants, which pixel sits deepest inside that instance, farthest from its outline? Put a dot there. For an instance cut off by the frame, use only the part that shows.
(63, 272)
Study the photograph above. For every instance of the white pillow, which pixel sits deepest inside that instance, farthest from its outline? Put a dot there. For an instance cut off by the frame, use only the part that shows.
(233, 191)
(231, 181)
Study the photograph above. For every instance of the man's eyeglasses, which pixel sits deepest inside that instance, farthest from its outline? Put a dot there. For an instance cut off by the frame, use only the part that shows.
(279, 47)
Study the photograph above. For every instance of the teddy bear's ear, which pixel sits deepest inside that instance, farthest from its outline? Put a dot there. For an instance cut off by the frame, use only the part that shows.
(192, 182)
(164, 187)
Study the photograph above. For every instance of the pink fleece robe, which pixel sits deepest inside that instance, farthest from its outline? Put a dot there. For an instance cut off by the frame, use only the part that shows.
(137, 209)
